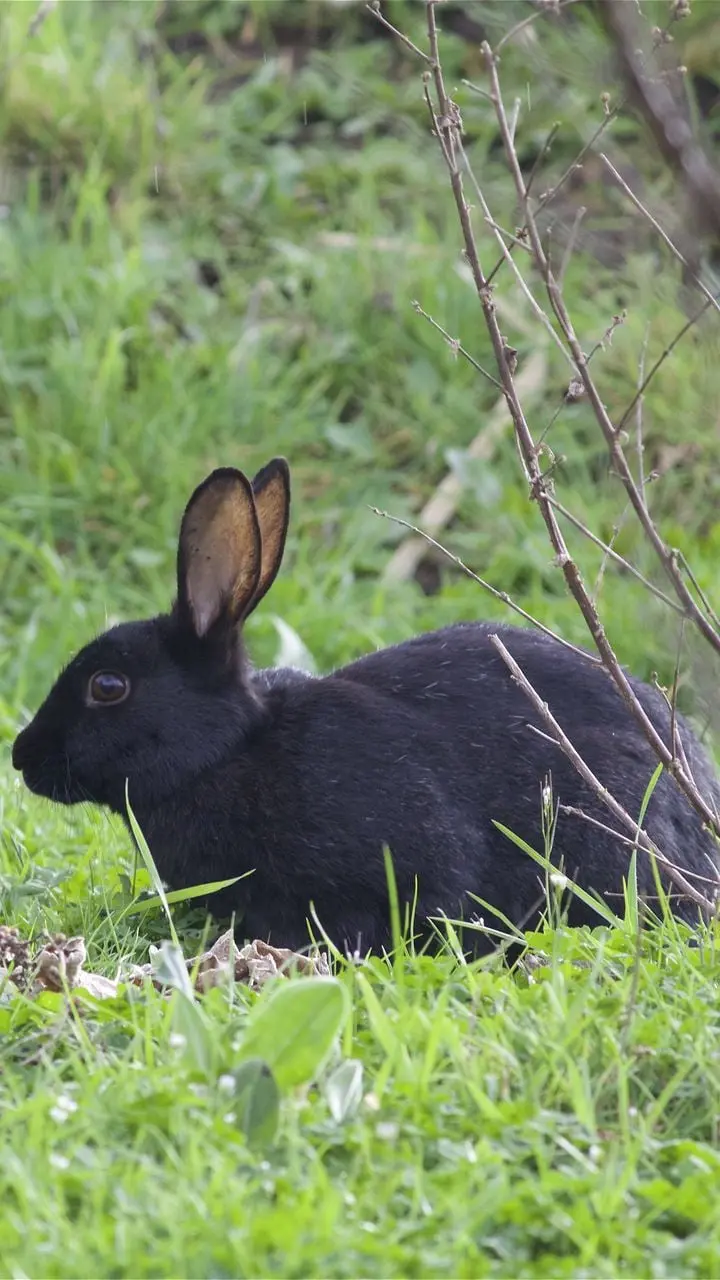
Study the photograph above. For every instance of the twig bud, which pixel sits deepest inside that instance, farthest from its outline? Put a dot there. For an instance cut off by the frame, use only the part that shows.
(575, 391)
(511, 356)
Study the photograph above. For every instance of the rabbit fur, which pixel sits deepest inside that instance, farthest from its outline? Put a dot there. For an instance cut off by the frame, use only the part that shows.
(303, 780)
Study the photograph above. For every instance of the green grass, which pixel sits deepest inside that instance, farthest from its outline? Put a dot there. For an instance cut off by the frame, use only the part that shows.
(172, 298)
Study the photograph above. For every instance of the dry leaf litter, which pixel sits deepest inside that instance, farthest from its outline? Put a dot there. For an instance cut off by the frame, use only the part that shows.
(56, 963)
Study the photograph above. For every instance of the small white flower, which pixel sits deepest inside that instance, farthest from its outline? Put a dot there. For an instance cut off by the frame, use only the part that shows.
(226, 1084)
(558, 880)
(176, 1040)
(387, 1130)
(58, 1161)
(63, 1108)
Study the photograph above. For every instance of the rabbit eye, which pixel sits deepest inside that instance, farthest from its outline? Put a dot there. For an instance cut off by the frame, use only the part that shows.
(107, 687)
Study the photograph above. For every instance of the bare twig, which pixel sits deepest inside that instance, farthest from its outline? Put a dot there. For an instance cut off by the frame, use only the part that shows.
(487, 586)
(455, 345)
(41, 13)
(507, 257)
(532, 17)
(689, 324)
(639, 441)
(614, 555)
(696, 585)
(447, 125)
(576, 164)
(659, 231)
(508, 237)
(540, 157)
(374, 9)
(571, 241)
(440, 508)
(665, 115)
(610, 432)
(515, 115)
(476, 88)
(638, 833)
(574, 812)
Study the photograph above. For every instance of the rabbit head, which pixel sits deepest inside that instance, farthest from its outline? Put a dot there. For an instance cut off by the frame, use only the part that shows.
(156, 701)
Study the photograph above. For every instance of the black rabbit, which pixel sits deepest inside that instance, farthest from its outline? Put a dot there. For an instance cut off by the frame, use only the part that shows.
(303, 779)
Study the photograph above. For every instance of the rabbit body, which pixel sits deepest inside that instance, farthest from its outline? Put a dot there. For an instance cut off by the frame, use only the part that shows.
(303, 780)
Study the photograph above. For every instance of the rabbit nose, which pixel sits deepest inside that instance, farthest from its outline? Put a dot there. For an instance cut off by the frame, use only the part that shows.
(22, 752)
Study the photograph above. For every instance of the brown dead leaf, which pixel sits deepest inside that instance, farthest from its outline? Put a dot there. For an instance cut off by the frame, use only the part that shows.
(253, 965)
(57, 964)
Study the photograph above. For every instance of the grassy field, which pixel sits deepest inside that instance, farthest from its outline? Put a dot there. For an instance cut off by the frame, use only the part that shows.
(214, 221)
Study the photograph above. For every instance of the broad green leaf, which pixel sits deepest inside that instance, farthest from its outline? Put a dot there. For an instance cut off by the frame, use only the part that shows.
(170, 968)
(295, 1028)
(343, 1089)
(189, 1021)
(257, 1101)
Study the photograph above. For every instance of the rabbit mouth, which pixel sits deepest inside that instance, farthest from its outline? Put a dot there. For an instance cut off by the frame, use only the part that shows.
(42, 784)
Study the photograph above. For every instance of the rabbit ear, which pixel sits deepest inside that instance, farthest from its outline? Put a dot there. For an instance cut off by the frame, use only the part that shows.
(219, 552)
(271, 489)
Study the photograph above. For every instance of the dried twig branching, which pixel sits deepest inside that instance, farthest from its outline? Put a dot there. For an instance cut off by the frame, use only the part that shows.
(662, 105)
(688, 601)
(638, 834)
(611, 433)
(502, 596)
(441, 507)
(659, 231)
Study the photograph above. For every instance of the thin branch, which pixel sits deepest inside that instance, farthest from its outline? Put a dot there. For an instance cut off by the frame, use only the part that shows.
(487, 586)
(610, 432)
(659, 231)
(515, 115)
(689, 324)
(475, 88)
(374, 9)
(539, 158)
(455, 345)
(447, 124)
(574, 812)
(441, 506)
(537, 309)
(677, 746)
(639, 440)
(696, 585)
(608, 554)
(533, 17)
(665, 115)
(638, 833)
(508, 237)
(571, 242)
(614, 555)
(576, 164)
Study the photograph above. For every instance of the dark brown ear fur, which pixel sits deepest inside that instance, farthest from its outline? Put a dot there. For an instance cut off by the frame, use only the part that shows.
(219, 553)
(271, 489)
